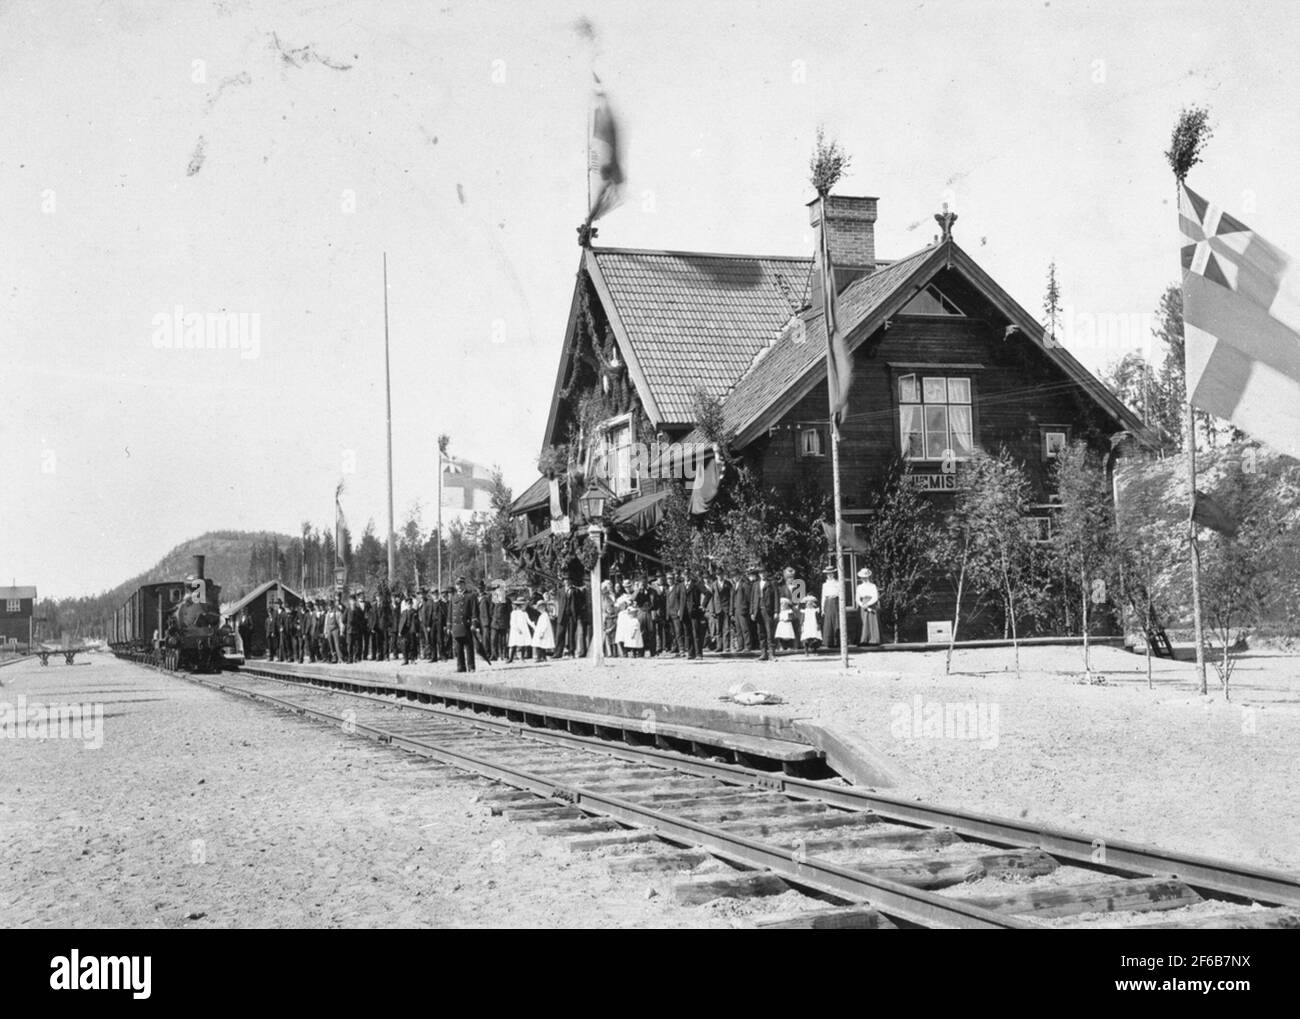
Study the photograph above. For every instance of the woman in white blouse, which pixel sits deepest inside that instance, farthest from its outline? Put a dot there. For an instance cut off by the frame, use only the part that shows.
(868, 599)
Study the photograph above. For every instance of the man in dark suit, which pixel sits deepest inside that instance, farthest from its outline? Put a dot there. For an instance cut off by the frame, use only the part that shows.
(720, 611)
(501, 609)
(566, 619)
(406, 629)
(485, 620)
(272, 632)
(741, 587)
(372, 623)
(308, 651)
(383, 626)
(762, 612)
(675, 608)
(697, 607)
(463, 621)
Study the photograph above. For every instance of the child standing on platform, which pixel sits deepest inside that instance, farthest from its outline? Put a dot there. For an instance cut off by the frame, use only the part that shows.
(811, 632)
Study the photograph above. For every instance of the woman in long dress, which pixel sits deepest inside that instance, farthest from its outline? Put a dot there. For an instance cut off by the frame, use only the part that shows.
(609, 617)
(543, 633)
(868, 598)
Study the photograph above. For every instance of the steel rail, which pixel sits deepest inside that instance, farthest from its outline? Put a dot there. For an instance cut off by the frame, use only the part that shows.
(1219, 877)
(898, 901)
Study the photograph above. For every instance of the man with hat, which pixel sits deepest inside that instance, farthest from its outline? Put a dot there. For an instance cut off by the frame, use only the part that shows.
(500, 631)
(463, 622)
(830, 607)
(762, 611)
(485, 620)
(272, 631)
(720, 610)
(741, 589)
(868, 600)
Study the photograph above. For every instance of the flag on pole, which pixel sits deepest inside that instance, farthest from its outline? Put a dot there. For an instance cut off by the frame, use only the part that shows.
(340, 521)
(605, 157)
(1241, 320)
(466, 485)
(1209, 512)
(705, 484)
(839, 367)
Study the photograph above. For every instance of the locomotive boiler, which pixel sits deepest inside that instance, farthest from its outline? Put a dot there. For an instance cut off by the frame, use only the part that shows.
(175, 623)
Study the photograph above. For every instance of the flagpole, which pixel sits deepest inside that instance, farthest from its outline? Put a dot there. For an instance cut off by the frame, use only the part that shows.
(439, 542)
(388, 404)
(1189, 424)
(832, 398)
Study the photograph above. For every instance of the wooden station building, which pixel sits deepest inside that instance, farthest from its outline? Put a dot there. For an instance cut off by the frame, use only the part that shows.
(943, 359)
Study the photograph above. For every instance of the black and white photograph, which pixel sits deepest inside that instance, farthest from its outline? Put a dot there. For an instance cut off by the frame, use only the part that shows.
(687, 465)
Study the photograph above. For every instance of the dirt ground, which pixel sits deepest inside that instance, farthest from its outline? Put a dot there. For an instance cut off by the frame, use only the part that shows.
(1113, 759)
(203, 810)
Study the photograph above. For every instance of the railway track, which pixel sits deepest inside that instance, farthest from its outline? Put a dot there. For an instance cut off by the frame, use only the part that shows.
(863, 859)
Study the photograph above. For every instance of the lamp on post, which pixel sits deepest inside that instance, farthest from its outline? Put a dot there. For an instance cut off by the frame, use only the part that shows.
(592, 504)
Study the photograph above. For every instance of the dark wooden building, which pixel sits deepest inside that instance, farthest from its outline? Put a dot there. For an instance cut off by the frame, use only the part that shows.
(944, 361)
(254, 607)
(17, 606)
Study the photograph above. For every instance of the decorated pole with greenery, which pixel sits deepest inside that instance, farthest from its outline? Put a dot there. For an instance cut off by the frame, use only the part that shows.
(1190, 135)
(827, 166)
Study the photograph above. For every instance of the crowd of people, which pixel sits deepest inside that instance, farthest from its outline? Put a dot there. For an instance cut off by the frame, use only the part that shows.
(685, 613)
(676, 612)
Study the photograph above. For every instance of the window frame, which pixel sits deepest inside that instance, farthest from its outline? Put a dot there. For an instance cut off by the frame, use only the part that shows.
(1047, 430)
(13, 606)
(609, 451)
(821, 430)
(920, 374)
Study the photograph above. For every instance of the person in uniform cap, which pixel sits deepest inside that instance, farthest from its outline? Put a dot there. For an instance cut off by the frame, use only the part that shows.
(868, 600)
(500, 631)
(463, 623)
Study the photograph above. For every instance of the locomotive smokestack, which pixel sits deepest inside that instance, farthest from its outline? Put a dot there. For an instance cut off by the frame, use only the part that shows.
(198, 567)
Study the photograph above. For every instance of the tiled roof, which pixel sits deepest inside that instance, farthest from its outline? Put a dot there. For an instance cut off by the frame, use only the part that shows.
(788, 355)
(17, 592)
(697, 320)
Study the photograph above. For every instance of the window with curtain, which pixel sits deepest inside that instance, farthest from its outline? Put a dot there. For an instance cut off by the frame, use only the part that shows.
(618, 456)
(934, 416)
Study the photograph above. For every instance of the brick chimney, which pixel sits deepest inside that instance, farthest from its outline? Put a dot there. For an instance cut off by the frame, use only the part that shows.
(852, 230)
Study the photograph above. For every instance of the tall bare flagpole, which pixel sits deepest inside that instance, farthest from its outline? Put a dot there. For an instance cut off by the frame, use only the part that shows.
(388, 403)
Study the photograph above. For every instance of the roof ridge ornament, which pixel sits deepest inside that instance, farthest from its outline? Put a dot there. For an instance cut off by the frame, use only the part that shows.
(945, 219)
(586, 234)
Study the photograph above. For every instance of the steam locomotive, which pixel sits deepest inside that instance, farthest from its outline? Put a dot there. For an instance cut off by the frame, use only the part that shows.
(175, 624)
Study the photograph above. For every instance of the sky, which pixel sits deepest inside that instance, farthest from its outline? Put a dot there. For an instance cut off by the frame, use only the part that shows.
(261, 158)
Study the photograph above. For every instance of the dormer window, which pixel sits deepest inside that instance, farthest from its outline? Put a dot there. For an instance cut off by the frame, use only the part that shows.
(932, 301)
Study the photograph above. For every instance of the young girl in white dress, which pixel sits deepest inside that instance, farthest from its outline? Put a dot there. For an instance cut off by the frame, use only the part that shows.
(627, 634)
(785, 625)
(811, 631)
(543, 633)
(521, 634)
